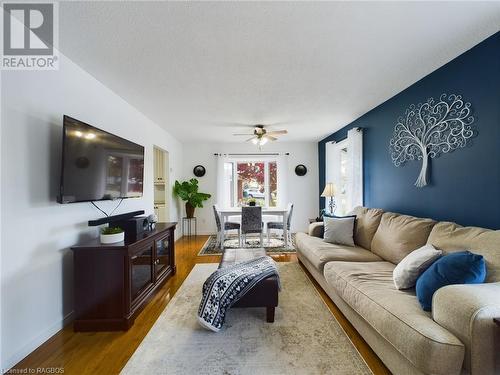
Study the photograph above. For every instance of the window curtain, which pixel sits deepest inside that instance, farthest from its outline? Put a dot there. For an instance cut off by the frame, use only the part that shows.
(223, 192)
(282, 175)
(332, 172)
(355, 168)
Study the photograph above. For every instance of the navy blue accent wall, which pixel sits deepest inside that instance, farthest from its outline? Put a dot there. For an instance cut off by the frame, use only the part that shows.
(465, 184)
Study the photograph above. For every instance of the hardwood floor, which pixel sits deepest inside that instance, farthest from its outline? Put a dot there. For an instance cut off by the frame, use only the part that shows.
(107, 352)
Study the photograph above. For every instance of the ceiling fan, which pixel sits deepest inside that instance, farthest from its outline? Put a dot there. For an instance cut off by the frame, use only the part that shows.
(261, 136)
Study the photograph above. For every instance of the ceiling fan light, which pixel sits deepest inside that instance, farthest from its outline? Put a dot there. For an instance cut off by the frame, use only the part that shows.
(263, 141)
(255, 141)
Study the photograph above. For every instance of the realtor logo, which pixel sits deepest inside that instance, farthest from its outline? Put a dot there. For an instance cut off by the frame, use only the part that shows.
(29, 36)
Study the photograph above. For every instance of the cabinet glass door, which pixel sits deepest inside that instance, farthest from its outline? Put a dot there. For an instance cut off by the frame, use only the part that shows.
(162, 254)
(141, 271)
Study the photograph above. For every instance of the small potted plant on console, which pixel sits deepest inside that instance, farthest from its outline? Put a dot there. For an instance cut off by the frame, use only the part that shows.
(252, 202)
(111, 235)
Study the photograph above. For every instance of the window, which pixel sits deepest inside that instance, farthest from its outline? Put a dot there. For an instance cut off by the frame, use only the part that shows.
(251, 179)
(337, 164)
(344, 168)
(342, 207)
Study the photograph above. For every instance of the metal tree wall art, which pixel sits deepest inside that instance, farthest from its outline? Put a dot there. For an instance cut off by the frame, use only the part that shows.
(429, 129)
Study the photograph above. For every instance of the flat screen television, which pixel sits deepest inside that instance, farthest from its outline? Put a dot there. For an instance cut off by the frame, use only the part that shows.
(97, 165)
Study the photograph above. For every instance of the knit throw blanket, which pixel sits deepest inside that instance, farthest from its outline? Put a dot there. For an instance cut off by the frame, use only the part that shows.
(227, 285)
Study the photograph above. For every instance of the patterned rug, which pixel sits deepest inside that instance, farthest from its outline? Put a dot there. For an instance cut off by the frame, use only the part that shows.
(304, 339)
(276, 246)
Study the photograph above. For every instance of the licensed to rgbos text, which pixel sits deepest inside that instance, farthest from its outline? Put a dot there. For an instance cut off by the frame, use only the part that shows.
(35, 370)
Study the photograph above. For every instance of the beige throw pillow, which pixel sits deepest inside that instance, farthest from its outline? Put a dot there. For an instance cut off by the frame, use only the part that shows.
(407, 271)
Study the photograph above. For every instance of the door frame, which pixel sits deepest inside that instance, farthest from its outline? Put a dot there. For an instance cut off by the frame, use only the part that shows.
(167, 184)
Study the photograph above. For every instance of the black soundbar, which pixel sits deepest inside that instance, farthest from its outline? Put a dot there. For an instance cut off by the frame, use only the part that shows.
(109, 219)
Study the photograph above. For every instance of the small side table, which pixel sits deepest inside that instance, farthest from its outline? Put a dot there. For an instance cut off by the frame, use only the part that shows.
(188, 221)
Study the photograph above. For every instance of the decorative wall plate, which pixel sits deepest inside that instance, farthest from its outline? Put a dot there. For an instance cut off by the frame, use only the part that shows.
(430, 129)
(199, 171)
(300, 170)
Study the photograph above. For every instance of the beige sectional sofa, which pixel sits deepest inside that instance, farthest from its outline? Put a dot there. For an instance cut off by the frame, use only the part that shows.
(459, 336)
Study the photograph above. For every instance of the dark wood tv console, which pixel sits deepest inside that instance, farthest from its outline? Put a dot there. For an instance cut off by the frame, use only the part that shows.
(112, 283)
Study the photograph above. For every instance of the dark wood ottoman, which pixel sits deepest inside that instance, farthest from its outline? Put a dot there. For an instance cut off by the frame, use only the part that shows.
(265, 293)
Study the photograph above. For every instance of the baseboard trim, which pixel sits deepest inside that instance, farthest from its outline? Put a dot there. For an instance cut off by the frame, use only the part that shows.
(37, 341)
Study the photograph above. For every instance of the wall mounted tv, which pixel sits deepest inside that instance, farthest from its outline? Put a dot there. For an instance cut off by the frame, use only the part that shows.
(97, 165)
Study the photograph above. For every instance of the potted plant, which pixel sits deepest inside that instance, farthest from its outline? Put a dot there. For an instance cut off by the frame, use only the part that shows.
(252, 202)
(111, 235)
(188, 192)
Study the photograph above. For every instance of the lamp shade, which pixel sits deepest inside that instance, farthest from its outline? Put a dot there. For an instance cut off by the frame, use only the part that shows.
(329, 190)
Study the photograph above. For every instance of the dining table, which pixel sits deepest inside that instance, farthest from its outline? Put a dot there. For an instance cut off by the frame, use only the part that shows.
(225, 213)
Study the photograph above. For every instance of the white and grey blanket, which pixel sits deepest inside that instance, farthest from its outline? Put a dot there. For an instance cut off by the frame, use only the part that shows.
(229, 284)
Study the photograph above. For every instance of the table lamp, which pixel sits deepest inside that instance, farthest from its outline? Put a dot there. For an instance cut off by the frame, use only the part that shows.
(329, 192)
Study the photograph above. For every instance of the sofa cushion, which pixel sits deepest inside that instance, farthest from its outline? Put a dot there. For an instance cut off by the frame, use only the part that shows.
(316, 229)
(339, 230)
(367, 222)
(318, 252)
(451, 237)
(398, 235)
(396, 315)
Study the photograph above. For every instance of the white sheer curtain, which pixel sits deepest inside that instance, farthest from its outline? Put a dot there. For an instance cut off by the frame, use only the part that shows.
(332, 158)
(355, 168)
(223, 189)
(282, 176)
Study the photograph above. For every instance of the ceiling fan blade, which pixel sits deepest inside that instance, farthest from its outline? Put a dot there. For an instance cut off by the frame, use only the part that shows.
(271, 137)
(277, 132)
(243, 134)
(249, 139)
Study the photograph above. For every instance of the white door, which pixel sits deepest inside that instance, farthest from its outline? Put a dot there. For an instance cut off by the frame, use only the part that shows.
(161, 184)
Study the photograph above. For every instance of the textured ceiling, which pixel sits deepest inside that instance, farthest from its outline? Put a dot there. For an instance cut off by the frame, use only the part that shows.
(203, 69)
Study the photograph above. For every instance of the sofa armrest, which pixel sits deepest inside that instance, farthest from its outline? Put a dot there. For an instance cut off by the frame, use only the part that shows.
(467, 311)
(316, 229)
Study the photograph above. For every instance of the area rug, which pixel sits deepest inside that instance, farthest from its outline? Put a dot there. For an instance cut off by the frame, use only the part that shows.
(304, 339)
(275, 246)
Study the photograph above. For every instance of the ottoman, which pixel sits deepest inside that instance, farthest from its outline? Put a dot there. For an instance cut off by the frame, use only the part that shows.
(263, 294)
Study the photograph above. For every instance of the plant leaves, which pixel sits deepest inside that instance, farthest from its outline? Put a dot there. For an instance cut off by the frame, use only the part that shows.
(188, 191)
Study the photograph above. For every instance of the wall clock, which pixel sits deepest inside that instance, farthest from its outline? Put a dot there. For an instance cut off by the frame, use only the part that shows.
(199, 171)
(300, 170)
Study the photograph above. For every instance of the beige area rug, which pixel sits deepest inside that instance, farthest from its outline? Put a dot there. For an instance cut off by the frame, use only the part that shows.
(275, 246)
(304, 339)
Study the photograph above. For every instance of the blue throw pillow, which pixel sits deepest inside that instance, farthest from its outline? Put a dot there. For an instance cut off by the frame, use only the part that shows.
(455, 268)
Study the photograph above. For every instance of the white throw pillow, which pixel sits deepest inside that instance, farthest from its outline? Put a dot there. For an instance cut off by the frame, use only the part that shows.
(339, 230)
(406, 273)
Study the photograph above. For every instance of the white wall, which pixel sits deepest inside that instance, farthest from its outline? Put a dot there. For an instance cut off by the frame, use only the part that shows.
(36, 232)
(302, 191)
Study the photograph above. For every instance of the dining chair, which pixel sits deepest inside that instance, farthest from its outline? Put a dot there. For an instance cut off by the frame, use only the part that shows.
(251, 222)
(279, 224)
(228, 225)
